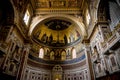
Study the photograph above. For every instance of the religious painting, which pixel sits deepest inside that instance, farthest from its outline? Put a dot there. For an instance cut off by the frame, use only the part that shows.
(63, 55)
(52, 55)
(53, 33)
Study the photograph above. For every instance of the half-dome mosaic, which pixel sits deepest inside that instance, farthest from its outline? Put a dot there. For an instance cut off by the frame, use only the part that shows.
(56, 33)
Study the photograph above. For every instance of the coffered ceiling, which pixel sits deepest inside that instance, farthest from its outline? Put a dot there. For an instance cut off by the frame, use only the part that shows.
(59, 3)
(62, 6)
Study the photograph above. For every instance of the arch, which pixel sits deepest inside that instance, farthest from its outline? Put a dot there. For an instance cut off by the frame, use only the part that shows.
(103, 11)
(6, 12)
(63, 55)
(75, 20)
(52, 53)
(110, 8)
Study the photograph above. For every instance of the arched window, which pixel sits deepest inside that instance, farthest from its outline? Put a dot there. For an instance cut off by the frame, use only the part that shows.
(73, 53)
(41, 53)
(26, 17)
(52, 55)
(87, 17)
(63, 56)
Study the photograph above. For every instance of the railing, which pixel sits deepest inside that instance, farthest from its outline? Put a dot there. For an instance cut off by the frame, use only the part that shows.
(111, 41)
(61, 10)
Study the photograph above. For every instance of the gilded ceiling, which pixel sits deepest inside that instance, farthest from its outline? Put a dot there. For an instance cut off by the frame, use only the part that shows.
(59, 6)
(58, 3)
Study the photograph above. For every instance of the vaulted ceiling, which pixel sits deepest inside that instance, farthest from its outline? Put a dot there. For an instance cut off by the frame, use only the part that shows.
(62, 20)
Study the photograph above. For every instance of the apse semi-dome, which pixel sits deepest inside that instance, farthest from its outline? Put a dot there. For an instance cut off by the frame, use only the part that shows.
(56, 33)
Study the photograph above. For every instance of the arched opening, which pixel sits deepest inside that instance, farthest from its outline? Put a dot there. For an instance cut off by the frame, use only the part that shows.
(63, 55)
(41, 53)
(6, 12)
(6, 18)
(103, 11)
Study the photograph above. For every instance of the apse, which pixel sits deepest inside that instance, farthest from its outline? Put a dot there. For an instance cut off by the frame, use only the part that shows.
(56, 33)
